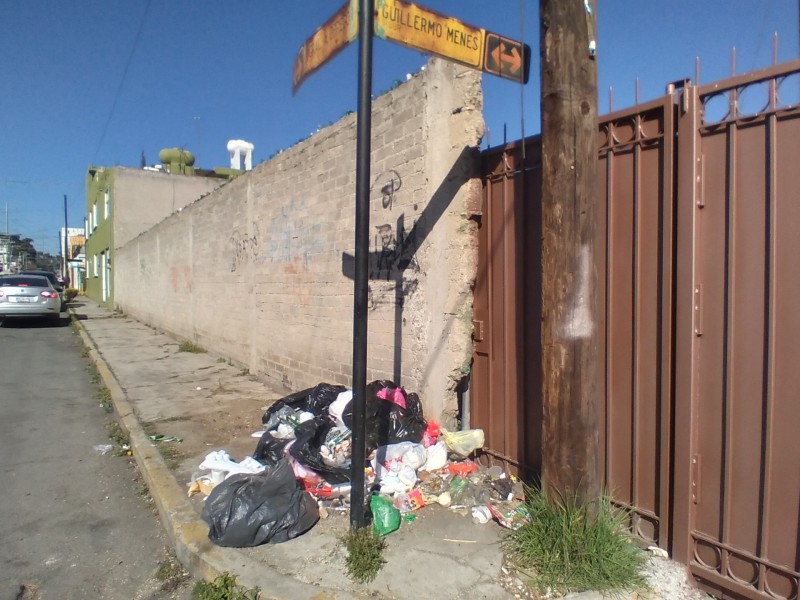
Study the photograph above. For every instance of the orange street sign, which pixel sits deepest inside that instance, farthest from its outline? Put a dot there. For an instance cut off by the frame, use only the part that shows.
(428, 31)
(507, 58)
(326, 42)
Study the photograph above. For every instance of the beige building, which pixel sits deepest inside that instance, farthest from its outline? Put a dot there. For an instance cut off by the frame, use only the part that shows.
(122, 203)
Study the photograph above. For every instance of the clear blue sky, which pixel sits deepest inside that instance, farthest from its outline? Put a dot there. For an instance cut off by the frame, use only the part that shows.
(100, 81)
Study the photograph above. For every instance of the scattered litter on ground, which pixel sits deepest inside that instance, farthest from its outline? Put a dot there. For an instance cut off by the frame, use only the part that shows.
(481, 514)
(164, 438)
(201, 485)
(411, 463)
(103, 448)
(465, 442)
(385, 516)
(221, 466)
(510, 515)
(656, 551)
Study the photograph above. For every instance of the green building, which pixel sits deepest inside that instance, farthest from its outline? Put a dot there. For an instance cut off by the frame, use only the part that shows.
(122, 202)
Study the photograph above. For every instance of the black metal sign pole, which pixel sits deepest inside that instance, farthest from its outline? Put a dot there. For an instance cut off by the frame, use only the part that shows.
(363, 150)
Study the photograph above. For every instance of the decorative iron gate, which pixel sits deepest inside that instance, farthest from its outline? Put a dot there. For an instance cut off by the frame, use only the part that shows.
(699, 230)
(634, 275)
(506, 372)
(737, 405)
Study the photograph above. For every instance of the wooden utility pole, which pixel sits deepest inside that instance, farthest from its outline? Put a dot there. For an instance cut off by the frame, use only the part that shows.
(569, 210)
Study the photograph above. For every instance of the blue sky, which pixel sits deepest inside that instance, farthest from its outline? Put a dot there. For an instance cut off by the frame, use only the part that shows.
(101, 81)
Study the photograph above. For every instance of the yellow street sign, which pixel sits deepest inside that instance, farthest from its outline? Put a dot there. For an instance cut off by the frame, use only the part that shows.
(418, 28)
(326, 42)
(428, 31)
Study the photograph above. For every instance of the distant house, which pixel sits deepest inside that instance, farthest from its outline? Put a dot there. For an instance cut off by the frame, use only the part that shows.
(16, 253)
(123, 202)
(8, 244)
(72, 240)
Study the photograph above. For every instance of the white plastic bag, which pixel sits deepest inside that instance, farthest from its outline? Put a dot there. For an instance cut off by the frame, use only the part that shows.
(400, 481)
(437, 457)
(337, 407)
(394, 457)
(221, 466)
(396, 466)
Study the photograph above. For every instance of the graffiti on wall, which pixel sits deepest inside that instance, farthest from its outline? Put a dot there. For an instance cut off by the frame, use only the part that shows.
(393, 267)
(244, 247)
(391, 251)
(290, 239)
(181, 278)
(145, 272)
(300, 284)
(387, 183)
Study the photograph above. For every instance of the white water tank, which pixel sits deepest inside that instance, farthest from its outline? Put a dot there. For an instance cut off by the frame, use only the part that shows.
(237, 148)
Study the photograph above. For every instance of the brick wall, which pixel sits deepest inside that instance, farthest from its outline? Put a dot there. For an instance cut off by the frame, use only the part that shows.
(261, 270)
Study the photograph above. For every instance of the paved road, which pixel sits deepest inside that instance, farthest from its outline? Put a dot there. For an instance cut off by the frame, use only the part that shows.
(75, 522)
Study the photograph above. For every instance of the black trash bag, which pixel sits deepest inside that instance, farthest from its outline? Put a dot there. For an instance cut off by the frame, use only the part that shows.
(252, 509)
(315, 400)
(386, 422)
(270, 450)
(309, 437)
(410, 425)
(295, 402)
(321, 397)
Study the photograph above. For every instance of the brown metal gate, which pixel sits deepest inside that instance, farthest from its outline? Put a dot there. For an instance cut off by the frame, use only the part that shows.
(737, 419)
(634, 273)
(506, 372)
(700, 300)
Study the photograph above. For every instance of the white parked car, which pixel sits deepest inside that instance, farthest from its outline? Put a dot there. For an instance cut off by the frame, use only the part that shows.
(29, 296)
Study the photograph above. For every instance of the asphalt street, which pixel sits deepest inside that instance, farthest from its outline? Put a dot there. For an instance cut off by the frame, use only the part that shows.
(75, 520)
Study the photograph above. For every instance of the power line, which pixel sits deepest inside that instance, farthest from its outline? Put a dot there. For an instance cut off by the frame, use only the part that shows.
(122, 80)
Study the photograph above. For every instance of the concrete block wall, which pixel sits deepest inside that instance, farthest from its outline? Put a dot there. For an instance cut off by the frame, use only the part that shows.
(261, 270)
(143, 198)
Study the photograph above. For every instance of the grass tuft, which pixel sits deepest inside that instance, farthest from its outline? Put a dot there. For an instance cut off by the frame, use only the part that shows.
(567, 549)
(120, 437)
(364, 554)
(104, 395)
(224, 587)
(172, 456)
(171, 574)
(189, 346)
(94, 374)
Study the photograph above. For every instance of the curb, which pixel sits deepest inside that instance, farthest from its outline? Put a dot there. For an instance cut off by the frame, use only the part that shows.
(187, 532)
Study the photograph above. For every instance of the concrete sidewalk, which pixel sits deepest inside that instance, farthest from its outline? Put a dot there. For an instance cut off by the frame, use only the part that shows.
(213, 405)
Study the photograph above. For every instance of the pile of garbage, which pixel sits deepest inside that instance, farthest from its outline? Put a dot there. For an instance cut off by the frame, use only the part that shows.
(301, 468)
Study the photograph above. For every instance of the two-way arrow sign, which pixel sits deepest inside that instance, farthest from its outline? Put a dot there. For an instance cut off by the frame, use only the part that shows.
(507, 58)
